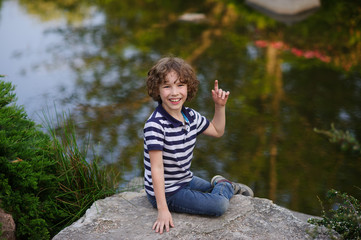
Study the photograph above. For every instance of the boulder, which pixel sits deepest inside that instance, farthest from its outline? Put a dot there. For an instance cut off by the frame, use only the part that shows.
(129, 215)
(7, 225)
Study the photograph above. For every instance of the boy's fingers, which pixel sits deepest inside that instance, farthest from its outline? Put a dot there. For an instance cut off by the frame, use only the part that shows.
(223, 94)
(214, 93)
(218, 92)
(158, 227)
(161, 227)
(171, 222)
(216, 85)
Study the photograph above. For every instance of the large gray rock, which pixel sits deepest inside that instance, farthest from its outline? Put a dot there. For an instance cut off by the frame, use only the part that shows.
(7, 226)
(129, 215)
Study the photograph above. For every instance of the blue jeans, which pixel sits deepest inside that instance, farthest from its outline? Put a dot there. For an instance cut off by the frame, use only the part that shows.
(199, 197)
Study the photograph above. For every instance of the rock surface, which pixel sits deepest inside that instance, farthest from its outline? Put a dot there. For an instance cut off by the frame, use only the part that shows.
(7, 226)
(129, 215)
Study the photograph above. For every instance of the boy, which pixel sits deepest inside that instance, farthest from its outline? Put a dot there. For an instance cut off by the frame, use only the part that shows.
(169, 139)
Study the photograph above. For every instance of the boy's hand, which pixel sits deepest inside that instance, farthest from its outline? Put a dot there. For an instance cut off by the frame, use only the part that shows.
(220, 97)
(164, 221)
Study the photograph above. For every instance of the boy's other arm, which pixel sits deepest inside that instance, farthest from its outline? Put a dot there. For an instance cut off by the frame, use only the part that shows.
(164, 219)
(218, 123)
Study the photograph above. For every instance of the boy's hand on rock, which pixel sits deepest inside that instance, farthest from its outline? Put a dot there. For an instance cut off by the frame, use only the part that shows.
(164, 221)
(219, 96)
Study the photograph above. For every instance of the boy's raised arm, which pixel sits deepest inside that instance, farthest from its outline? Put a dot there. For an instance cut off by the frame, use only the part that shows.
(164, 219)
(217, 125)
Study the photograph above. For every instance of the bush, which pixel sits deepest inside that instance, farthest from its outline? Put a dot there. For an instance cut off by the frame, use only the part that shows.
(45, 181)
(27, 170)
(346, 219)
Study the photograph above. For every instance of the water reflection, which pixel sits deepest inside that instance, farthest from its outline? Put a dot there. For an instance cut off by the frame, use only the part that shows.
(284, 81)
(286, 11)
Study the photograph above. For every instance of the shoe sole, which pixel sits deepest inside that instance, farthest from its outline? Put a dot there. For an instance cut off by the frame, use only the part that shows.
(214, 179)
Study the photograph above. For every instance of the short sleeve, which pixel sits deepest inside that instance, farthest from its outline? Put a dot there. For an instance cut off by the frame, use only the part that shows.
(153, 136)
(201, 121)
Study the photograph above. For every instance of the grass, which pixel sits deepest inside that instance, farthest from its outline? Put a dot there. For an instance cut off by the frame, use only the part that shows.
(82, 181)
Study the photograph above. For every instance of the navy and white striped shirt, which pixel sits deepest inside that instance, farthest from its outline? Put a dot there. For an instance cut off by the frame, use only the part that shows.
(176, 140)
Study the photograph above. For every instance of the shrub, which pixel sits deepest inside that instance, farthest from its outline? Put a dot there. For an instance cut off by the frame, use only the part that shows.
(346, 219)
(46, 182)
(27, 170)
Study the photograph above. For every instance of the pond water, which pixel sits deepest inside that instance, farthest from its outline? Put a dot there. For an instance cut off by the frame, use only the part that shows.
(91, 59)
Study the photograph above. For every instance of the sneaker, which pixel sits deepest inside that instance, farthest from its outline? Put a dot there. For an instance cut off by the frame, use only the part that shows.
(218, 178)
(238, 188)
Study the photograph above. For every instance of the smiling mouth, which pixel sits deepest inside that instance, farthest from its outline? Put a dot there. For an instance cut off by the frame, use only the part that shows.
(175, 100)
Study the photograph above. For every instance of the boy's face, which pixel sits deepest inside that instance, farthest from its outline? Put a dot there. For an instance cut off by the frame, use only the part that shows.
(173, 93)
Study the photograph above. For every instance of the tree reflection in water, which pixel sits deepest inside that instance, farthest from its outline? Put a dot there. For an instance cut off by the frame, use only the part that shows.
(284, 81)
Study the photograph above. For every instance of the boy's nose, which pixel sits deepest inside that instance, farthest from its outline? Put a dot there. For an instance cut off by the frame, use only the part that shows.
(174, 91)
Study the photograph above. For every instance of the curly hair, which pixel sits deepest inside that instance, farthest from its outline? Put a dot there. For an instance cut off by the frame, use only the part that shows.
(158, 73)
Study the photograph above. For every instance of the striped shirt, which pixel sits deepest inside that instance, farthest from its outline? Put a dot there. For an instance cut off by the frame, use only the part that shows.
(176, 140)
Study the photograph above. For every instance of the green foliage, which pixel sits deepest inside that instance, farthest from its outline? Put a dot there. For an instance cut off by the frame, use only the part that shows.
(346, 219)
(345, 139)
(27, 170)
(45, 183)
(80, 182)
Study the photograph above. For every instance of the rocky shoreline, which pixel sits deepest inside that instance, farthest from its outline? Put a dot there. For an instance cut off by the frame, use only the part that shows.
(129, 215)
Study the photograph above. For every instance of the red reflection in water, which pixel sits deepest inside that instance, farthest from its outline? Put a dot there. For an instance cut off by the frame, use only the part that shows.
(295, 51)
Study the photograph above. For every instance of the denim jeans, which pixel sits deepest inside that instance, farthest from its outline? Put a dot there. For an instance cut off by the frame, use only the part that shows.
(199, 197)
